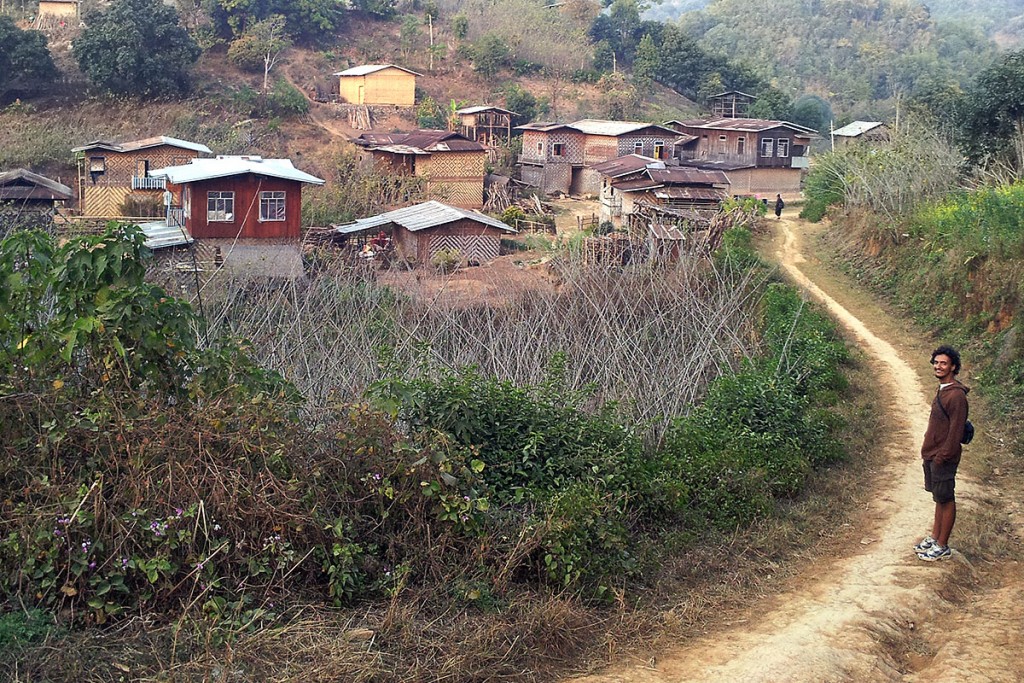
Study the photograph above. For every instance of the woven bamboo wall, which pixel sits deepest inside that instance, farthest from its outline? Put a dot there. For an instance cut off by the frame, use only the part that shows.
(104, 200)
(455, 178)
(387, 86)
(104, 196)
(772, 181)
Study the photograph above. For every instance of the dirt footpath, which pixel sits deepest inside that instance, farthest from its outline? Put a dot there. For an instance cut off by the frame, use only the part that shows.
(876, 613)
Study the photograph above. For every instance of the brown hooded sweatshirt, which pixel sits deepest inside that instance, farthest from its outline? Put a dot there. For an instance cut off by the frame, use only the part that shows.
(942, 438)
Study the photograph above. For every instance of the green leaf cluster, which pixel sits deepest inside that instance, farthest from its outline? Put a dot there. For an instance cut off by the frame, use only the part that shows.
(136, 48)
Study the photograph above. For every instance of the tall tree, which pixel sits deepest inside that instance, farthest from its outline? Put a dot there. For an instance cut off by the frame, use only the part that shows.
(136, 47)
(305, 20)
(25, 60)
(261, 46)
(993, 123)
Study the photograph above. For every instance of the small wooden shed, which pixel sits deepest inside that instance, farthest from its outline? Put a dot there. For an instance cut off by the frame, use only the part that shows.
(486, 124)
(421, 231)
(377, 84)
(27, 200)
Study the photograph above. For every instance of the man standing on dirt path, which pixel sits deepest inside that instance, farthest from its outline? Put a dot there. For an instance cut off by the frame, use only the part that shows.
(779, 206)
(941, 451)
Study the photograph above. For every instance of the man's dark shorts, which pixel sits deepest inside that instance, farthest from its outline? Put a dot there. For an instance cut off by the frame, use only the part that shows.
(940, 480)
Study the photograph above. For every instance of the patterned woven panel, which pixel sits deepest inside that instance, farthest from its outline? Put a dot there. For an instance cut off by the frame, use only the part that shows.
(557, 178)
(479, 248)
(457, 165)
(466, 195)
(104, 201)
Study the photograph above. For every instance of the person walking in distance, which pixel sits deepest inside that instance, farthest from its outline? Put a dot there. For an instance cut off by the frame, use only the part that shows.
(779, 206)
(941, 451)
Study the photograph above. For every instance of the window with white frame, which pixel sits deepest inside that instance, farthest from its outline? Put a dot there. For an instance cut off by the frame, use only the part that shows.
(557, 149)
(741, 145)
(782, 147)
(220, 206)
(723, 144)
(271, 206)
(540, 148)
(638, 147)
(767, 147)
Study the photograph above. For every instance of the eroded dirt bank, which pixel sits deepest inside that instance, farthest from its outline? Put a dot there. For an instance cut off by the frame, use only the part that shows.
(874, 613)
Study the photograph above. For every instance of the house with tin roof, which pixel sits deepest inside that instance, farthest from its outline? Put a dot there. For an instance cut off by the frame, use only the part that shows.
(419, 232)
(761, 157)
(235, 197)
(114, 180)
(451, 166)
(633, 181)
(28, 200)
(559, 157)
(377, 84)
(860, 131)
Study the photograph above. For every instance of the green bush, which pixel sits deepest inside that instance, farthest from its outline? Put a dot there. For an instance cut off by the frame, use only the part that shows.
(446, 260)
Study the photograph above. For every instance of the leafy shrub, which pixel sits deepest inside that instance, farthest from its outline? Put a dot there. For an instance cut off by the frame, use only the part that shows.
(446, 260)
(825, 186)
(460, 26)
(491, 54)
(287, 100)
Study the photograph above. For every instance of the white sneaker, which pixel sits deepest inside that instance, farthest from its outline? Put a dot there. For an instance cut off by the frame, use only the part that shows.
(925, 545)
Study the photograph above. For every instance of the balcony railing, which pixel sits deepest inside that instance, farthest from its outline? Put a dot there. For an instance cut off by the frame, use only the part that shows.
(146, 183)
(175, 217)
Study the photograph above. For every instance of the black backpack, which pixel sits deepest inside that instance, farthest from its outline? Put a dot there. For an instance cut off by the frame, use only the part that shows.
(968, 426)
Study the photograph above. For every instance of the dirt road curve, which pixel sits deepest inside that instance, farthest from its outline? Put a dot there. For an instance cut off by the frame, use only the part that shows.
(877, 613)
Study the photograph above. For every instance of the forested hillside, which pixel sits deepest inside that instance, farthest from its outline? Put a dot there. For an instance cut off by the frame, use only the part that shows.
(860, 56)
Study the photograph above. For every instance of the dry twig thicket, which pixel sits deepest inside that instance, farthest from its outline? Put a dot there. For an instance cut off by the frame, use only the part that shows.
(650, 339)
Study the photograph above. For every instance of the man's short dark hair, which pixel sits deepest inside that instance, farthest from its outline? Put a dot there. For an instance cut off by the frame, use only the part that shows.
(953, 354)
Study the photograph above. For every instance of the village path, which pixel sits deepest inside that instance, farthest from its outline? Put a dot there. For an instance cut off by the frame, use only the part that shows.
(875, 613)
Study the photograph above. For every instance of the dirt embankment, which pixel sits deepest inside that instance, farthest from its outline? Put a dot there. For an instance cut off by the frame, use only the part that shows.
(875, 612)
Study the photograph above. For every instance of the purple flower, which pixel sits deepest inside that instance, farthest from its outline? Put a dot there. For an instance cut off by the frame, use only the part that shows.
(85, 546)
(178, 512)
(92, 565)
(58, 533)
(124, 563)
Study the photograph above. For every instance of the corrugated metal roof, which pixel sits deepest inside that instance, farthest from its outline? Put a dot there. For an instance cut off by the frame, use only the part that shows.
(624, 165)
(10, 188)
(744, 125)
(483, 108)
(706, 194)
(159, 235)
(710, 164)
(856, 128)
(373, 68)
(614, 128)
(420, 217)
(601, 127)
(419, 142)
(543, 126)
(688, 175)
(733, 92)
(224, 166)
(144, 144)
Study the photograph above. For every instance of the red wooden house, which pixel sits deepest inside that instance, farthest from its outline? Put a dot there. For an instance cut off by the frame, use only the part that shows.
(237, 197)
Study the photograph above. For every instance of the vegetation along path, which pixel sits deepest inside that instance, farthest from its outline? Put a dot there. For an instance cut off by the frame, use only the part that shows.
(874, 612)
